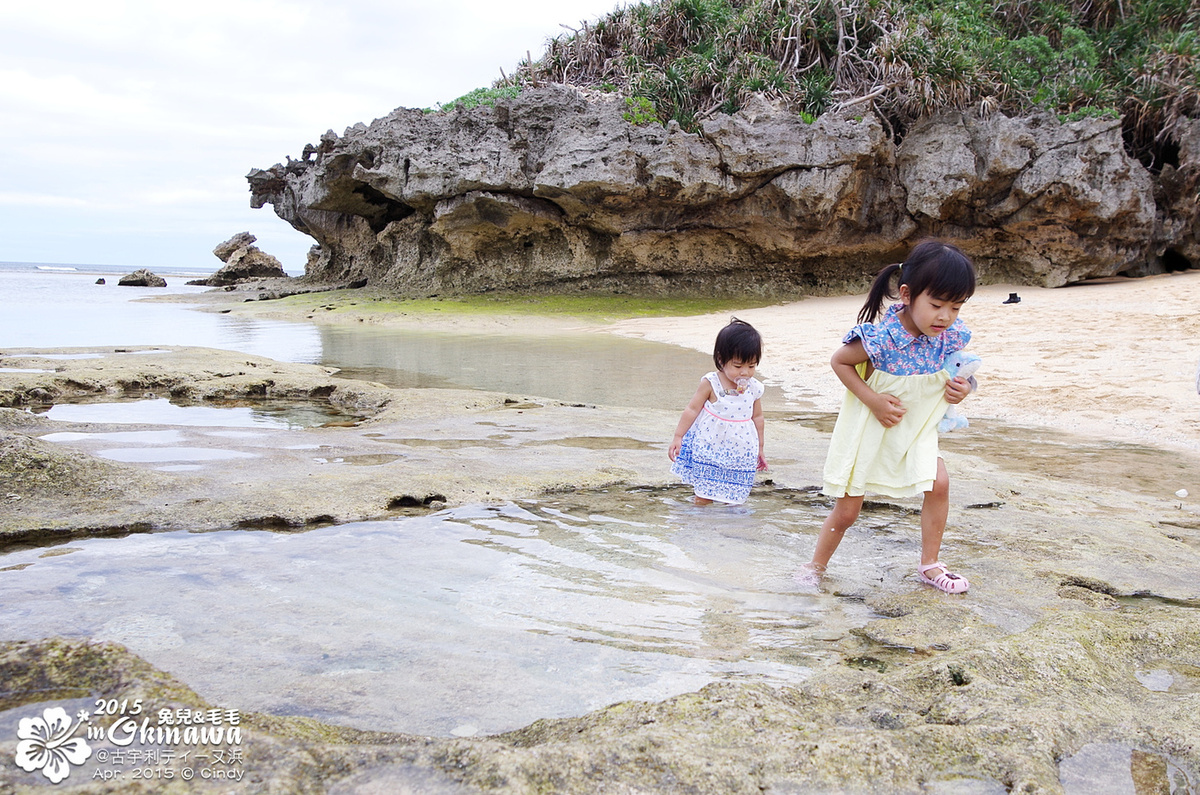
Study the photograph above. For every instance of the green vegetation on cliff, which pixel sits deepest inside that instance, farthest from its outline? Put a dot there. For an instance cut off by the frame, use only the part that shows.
(905, 58)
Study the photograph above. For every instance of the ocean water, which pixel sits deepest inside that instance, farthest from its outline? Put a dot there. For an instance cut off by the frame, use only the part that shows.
(61, 306)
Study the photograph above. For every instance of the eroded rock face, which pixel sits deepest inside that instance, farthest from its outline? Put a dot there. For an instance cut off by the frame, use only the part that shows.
(142, 278)
(1049, 203)
(556, 190)
(243, 261)
(1177, 243)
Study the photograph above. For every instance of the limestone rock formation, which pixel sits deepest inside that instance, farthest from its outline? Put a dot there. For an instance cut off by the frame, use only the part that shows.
(243, 261)
(142, 278)
(556, 190)
(1177, 244)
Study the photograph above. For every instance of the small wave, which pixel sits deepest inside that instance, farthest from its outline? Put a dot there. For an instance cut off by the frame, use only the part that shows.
(55, 268)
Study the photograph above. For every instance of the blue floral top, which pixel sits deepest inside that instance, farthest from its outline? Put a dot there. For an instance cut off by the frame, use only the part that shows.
(893, 350)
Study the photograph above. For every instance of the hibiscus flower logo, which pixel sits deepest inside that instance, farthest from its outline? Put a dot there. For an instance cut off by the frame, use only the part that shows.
(46, 744)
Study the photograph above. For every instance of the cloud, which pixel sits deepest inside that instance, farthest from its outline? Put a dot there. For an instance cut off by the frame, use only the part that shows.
(39, 200)
(129, 126)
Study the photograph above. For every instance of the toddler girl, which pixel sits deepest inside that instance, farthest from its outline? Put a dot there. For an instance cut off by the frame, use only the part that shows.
(719, 440)
(885, 439)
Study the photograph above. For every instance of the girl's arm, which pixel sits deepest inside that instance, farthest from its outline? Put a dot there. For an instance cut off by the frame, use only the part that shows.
(757, 418)
(887, 408)
(689, 416)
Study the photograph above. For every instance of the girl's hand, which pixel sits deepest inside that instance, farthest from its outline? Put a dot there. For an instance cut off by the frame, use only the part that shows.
(704, 393)
(957, 390)
(887, 409)
(762, 463)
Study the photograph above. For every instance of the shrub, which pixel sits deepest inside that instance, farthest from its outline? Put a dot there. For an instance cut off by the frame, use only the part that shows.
(904, 58)
(640, 111)
(483, 96)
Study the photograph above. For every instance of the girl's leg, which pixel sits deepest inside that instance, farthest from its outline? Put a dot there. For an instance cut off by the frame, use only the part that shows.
(933, 524)
(844, 512)
(934, 511)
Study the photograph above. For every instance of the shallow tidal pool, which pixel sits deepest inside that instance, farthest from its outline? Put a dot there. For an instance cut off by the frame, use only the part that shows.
(240, 413)
(473, 620)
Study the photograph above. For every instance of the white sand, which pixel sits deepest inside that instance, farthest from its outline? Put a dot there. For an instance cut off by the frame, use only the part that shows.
(1114, 359)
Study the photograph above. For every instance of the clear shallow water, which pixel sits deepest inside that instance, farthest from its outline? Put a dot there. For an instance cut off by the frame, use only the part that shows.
(476, 619)
(161, 411)
(573, 367)
(1117, 769)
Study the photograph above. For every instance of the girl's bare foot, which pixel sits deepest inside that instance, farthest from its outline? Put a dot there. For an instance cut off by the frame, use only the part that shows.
(701, 501)
(810, 573)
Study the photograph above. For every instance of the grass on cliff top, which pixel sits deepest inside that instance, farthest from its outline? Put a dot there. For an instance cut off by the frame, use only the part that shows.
(906, 59)
(592, 306)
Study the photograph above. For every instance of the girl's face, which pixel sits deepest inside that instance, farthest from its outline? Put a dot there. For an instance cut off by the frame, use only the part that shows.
(927, 315)
(736, 368)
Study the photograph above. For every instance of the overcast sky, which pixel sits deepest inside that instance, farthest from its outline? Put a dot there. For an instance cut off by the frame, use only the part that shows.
(127, 128)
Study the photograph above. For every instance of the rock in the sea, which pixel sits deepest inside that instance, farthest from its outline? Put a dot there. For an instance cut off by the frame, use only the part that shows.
(243, 261)
(555, 189)
(142, 278)
(225, 250)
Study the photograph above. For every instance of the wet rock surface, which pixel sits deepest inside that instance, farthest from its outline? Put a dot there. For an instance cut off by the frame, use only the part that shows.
(400, 453)
(994, 716)
(1080, 630)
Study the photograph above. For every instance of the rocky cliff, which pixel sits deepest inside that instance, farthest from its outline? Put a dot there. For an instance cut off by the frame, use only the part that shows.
(557, 190)
(244, 261)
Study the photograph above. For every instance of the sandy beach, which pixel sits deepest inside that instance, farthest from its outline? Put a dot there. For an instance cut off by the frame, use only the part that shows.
(1114, 359)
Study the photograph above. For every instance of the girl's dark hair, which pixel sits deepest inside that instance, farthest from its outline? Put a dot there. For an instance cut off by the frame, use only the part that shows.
(739, 340)
(933, 267)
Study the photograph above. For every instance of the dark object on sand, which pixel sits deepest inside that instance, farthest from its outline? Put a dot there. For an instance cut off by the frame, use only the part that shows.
(1013, 298)
(100, 281)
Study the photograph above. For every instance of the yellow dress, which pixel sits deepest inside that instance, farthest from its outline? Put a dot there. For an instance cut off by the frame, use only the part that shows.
(900, 461)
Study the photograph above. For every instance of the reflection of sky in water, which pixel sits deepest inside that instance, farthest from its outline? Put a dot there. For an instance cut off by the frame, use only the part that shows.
(570, 366)
(61, 309)
(150, 455)
(120, 437)
(161, 411)
(483, 617)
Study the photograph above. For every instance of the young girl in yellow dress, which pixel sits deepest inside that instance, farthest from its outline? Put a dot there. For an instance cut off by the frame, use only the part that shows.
(885, 440)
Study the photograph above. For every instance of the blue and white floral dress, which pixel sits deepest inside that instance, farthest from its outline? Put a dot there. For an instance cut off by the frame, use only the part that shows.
(900, 461)
(719, 453)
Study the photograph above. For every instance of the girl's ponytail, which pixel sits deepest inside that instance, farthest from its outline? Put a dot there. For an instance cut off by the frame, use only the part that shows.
(881, 288)
(933, 267)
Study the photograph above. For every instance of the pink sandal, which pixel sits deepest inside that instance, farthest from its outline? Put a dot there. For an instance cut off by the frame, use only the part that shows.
(950, 583)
